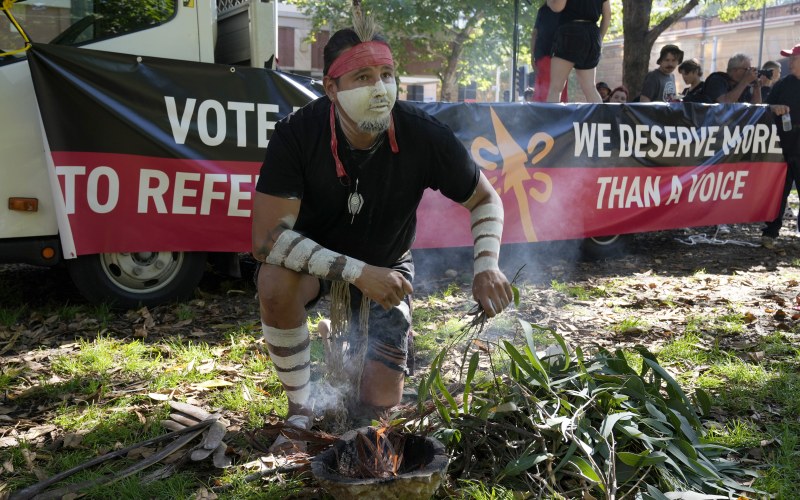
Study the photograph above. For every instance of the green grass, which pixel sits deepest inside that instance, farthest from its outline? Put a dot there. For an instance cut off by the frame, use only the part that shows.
(104, 354)
(630, 323)
(476, 490)
(246, 397)
(782, 475)
(578, 292)
(736, 434)
(68, 312)
(724, 324)
(9, 376)
(10, 316)
(686, 349)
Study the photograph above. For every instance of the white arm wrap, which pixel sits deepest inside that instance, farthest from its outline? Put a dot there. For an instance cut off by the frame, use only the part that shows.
(487, 230)
(298, 253)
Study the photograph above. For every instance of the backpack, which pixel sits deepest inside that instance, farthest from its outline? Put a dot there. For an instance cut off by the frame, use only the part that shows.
(698, 95)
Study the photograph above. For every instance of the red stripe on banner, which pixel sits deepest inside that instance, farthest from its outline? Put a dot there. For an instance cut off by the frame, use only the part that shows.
(128, 203)
(568, 203)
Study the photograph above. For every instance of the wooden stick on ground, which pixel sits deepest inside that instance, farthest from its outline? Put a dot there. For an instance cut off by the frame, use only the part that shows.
(33, 491)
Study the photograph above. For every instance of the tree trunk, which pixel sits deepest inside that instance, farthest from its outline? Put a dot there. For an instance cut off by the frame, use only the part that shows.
(639, 38)
(449, 75)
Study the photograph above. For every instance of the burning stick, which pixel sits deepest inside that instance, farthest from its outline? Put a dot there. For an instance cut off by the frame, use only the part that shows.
(373, 459)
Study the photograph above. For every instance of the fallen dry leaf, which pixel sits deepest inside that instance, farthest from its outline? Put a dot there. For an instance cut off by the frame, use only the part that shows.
(73, 440)
(8, 442)
(204, 494)
(210, 384)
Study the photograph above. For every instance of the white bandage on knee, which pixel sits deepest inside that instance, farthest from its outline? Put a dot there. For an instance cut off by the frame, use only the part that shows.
(487, 229)
(291, 353)
(298, 253)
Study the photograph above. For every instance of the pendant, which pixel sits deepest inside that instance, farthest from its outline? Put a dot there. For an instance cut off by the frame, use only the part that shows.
(354, 203)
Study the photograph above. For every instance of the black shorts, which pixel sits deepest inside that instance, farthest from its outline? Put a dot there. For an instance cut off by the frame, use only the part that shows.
(578, 42)
(387, 329)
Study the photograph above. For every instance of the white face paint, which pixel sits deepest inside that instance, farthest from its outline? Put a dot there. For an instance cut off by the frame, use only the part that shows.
(369, 107)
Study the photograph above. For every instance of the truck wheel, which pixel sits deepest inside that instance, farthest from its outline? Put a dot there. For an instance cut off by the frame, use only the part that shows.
(605, 247)
(128, 280)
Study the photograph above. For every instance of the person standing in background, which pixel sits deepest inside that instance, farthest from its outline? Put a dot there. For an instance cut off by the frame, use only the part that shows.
(618, 96)
(604, 90)
(544, 30)
(692, 74)
(659, 84)
(527, 96)
(785, 99)
(578, 44)
(769, 75)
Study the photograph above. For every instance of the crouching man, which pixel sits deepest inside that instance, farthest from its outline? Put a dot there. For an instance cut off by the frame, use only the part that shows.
(335, 209)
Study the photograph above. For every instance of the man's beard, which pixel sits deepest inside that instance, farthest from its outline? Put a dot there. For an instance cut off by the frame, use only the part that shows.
(375, 125)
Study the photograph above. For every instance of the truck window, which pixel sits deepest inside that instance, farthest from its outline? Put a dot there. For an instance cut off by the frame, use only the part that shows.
(79, 22)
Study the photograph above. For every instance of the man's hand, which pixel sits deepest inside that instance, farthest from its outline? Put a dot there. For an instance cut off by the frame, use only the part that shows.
(492, 291)
(750, 75)
(779, 109)
(385, 286)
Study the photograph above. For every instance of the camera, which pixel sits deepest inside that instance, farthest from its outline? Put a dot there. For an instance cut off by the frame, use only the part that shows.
(766, 72)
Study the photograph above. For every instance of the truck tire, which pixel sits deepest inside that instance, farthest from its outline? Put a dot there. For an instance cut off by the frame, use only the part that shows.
(605, 247)
(130, 280)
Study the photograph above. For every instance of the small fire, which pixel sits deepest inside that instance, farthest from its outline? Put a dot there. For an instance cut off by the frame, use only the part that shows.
(380, 457)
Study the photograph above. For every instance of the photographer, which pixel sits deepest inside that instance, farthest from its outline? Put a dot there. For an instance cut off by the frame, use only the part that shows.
(739, 84)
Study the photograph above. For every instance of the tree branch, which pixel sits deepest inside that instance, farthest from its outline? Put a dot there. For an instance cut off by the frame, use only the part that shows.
(671, 19)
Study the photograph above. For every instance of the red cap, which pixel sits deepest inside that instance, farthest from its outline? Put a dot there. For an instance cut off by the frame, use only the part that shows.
(794, 51)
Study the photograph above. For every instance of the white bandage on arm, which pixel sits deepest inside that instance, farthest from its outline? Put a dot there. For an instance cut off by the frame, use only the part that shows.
(294, 251)
(487, 230)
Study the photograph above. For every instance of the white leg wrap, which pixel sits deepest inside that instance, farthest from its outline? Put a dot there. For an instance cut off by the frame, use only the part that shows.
(291, 354)
(487, 230)
(298, 253)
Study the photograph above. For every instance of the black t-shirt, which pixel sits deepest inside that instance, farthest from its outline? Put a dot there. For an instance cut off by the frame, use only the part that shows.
(787, 91)
(720, 83)
(546, 24)
(582, 10)
(697, 94)
(299, 163)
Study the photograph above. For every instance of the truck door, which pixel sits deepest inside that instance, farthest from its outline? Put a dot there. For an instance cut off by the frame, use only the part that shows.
(176, 29)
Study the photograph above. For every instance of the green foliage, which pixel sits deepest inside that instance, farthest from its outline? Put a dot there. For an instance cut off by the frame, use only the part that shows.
(574, 425)
(477, 33)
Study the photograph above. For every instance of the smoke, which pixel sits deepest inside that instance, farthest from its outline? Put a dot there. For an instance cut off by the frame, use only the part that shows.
(326, 397)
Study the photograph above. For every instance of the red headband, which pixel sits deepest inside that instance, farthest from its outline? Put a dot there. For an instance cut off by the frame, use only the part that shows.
(358, 56)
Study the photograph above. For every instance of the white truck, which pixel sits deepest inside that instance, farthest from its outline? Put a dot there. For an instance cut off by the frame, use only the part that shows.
(242, 32)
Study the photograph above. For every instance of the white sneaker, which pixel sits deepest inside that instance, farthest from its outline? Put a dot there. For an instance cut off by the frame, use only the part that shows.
(723, 229)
